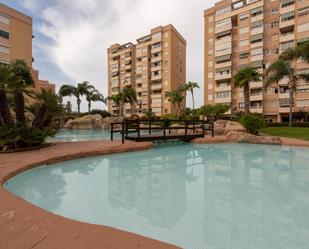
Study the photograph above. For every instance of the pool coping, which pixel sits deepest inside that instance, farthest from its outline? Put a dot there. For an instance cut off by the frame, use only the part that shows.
(23, 225)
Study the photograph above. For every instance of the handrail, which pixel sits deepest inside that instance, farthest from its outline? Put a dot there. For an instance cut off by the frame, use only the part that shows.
(134, 126)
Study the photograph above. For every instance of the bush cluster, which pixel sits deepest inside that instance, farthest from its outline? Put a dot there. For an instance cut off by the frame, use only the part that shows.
(253, 122)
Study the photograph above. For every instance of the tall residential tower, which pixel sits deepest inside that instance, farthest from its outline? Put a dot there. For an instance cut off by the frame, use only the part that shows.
(241, 33)
(152, 66)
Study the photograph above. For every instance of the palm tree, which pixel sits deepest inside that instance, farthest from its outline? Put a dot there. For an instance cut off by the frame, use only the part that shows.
(128, 96)
(19, 84)
(190, 86)
(94, 96)
(118, 100)
(76, 91)
(242, 79)
(281, 69)
(47, 107)
(300, 52)
(176, 98)
(5, 76)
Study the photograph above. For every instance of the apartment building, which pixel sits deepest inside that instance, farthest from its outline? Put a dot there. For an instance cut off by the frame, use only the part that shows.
(254, 33)
(155, 64)
(16, 41)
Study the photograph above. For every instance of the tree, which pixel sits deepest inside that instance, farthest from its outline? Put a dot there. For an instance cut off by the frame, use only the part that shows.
(281, 69)
(300, 52)
(76, 91)
(242, 79)
(176, 98)
(213, 112)
(190, 86)
(19, 84)
(47, 107)
(5, 77)
(128, 95)
(118, 100)
(94, 96)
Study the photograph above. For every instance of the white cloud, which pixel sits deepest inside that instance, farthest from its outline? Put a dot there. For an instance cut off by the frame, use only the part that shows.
(82, 30)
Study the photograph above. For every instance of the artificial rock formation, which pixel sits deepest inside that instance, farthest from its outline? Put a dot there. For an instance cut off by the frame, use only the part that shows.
(242, 137)
(223, 127)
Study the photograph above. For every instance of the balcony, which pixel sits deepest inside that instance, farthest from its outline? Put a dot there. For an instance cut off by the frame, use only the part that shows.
(287, 9)
(224, 40)
(257, 31)
(257, 44)
(287, 37)
(156, 105)
(284, 82)
(225, 64)
(156, 68)
(224, 52)
(287, 24)
(156, 86)
(285, 95)
(128, 67)
(223, 76)
(284, 109)
(223, 100)
(256, 97)
(224, 28)
(156, 96)
(258, 57)
(257, 18)
(256, 85)
(156, 50)
(223, 88)
(256, 109)
(156, 59)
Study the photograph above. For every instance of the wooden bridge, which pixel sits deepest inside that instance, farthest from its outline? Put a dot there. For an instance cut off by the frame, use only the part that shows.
(161, 130)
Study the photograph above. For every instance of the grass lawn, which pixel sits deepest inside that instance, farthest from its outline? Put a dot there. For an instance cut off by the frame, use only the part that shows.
(295, 132)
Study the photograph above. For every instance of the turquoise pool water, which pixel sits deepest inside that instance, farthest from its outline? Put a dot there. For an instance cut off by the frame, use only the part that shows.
(81, 135)
(222, 196)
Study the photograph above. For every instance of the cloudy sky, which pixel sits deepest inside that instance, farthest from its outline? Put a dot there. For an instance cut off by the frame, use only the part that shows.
(71, 36)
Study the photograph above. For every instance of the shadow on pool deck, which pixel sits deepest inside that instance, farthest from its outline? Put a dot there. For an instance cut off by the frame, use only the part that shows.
(23, 225)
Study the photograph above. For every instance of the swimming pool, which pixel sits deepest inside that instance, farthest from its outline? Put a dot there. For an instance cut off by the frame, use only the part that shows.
(225, 196)
(81, 135)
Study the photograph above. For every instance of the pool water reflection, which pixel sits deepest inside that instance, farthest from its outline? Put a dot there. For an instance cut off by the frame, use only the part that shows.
(196, 196)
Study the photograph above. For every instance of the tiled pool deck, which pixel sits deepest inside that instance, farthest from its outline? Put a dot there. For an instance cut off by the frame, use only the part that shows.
(23, 225)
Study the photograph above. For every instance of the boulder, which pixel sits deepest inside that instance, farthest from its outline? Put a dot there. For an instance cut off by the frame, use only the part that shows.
(242, 137)
(106, 124)
(223, 127)
(85, 123)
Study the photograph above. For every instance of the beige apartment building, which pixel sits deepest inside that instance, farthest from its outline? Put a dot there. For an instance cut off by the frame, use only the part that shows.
(16, 41)
(155, 64)
(240, 33)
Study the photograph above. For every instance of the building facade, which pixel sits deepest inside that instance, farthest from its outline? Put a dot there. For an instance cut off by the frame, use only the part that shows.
(16, 41)
(254, 33)
(152, 66)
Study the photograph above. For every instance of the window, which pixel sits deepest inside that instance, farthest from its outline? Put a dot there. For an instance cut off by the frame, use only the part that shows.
(4, 34)
(243, 17)
(274, 10)
(223, 22)
(244, 55)
(256, 38)
(223, 95)
(244, 43)
(287, 16)
(303, 11)
(274, 24)
(156, 36)
(224, 10)
(257, 25)
(257, 11)
(4, 19)
(285, 3)
(257, 52)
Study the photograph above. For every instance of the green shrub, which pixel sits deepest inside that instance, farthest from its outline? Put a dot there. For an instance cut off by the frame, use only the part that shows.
(253, 122)
(169, 117)
(103, 113)
(18, 136)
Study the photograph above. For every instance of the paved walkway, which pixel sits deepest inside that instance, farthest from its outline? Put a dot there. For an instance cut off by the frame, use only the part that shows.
(23, 225)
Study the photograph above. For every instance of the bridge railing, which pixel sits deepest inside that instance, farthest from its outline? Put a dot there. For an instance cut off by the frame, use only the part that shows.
(167, 126)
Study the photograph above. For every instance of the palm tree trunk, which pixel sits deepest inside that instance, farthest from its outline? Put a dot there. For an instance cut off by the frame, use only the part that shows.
(291, 101)
(89, 106)
(193, 100)
(78, 106)
(20, 107)
(247, 99)
(4, 108)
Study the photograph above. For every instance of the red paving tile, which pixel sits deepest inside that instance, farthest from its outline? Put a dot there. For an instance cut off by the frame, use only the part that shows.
(23, 225)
